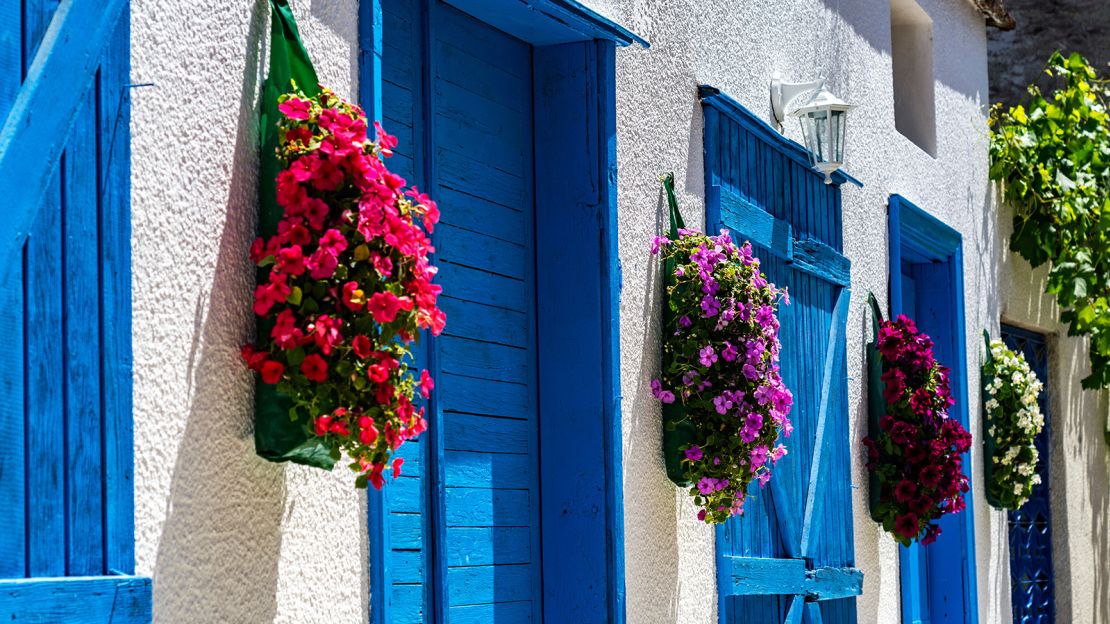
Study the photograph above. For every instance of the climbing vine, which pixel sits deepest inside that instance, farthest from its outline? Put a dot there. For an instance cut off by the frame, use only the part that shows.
(1053, 157)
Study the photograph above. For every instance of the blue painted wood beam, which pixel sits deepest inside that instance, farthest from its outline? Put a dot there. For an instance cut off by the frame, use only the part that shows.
(35, 132)
(752, 576)
(76, 600)
(548, 22)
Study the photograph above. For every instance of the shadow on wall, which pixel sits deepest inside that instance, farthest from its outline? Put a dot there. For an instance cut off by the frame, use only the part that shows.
(217, 559)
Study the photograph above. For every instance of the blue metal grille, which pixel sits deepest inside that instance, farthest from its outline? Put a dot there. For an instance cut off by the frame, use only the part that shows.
(1031, 579)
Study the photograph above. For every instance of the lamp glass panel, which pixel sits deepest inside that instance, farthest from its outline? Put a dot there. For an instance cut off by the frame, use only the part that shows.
(836, 154)
(821, 135)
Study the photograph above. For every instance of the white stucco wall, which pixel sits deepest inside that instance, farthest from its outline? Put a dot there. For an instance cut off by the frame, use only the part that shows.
(227, 536)
(232, 538)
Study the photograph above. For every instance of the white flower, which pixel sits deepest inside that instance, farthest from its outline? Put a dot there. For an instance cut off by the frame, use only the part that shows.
(1036, 479)
(1017, 489)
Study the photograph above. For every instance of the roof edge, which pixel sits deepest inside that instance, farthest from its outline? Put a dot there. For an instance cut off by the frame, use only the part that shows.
(996, 14)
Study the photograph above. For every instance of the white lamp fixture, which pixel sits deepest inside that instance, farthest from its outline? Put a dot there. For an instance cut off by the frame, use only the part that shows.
(822, 115)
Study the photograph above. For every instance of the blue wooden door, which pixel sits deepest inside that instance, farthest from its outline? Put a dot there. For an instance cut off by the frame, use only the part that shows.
(938, 581)
(66, 522)
(789, 558)
(459, 94)
(1032, 591)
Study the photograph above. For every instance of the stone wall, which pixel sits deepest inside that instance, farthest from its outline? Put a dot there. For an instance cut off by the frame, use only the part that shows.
(1018, 56)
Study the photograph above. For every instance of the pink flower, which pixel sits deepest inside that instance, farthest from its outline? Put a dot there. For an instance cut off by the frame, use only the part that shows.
(384, 306)
(267, 295)
(397, 462)
(353, 297)
(285, 333)
(321, 264)
(426, 384)
(694, 453)
(295, 108)
(290, 260)
(326, 333)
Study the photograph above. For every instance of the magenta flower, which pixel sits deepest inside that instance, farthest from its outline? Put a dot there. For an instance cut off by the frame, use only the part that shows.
(657, 243)
(710, 306)
(707, 356)
(693, 453)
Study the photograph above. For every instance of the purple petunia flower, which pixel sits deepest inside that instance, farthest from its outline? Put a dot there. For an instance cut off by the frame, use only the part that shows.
(723, 403)
(729, 352)
(657, 243)
(693, 453)
(684, 321)
(710, 306)
(665, 396)
(750, 372)
(706, 485)
(707, 356)
(759, 456)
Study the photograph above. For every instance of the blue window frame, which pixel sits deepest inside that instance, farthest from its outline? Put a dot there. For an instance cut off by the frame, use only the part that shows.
(926, 284)
(504, 512)
(66, 521)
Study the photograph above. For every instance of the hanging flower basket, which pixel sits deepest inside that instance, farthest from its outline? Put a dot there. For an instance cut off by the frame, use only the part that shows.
(345, 283)
(1012, 420)
(723, 400)
(913, 447)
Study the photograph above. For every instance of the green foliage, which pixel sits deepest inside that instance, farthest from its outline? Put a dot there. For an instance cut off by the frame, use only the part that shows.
(1053, 157)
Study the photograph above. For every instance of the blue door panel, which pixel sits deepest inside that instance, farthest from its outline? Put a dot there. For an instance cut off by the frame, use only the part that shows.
(466, 137)
(1032, 583)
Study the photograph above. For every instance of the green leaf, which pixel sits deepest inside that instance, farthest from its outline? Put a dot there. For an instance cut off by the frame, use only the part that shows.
(294, 297)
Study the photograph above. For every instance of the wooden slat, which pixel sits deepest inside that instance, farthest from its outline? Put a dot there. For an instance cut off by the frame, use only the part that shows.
(821, 479)
(819, 259)
(474, 585)
(77, 600)
(470, 432)
(476, 546)
(34, 134)
(752, 223)
(46, 390)
(115, 266)
(85, 474)
(13, 512)
(758, 576)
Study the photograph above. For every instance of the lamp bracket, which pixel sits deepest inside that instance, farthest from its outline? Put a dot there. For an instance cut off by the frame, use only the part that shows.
(782, 93)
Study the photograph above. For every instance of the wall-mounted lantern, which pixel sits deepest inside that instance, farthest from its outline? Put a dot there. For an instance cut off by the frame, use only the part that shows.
(822, 115)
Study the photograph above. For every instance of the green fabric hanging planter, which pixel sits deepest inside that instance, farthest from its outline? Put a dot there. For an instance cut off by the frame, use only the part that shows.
(876, 404)
(277, 437)
(678, 431)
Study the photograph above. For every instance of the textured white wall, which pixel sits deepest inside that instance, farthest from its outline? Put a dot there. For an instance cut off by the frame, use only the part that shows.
(227, 536)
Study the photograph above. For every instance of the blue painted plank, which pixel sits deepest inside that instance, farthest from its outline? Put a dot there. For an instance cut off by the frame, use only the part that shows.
(458, 171)
(488, 507)
(751, 223)
(31, 140)
(485, 360)
(483, 396)
(84, 470)
(478, 286)
(13, 537)
(115, 265)
(478, 546)
(487, 323)
(469, 211)
(77, 600)
(496, 612)
(408, 567)
(406, 602)
(485, 584)
(487, 470)
(45, 404)
(480, 251)
(471, 432)
(821, 478)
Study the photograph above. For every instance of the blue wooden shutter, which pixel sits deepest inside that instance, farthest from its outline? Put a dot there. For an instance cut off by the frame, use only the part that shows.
(790, 557)
(66, 522)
